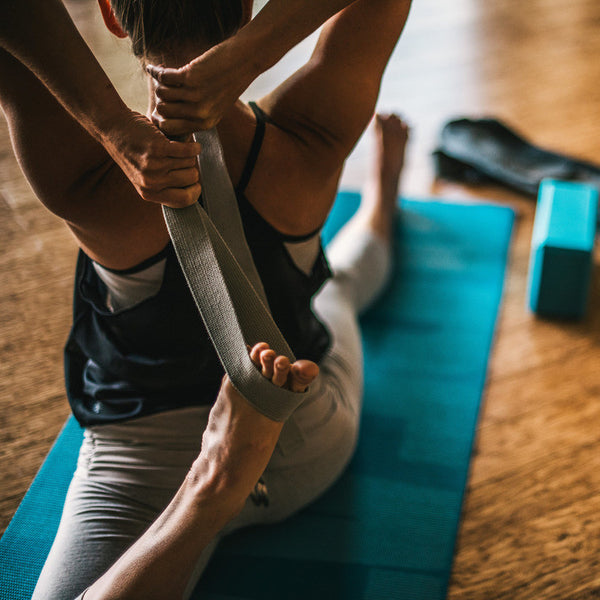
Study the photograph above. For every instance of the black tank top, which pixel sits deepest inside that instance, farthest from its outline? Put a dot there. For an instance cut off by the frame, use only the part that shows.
(157, 355)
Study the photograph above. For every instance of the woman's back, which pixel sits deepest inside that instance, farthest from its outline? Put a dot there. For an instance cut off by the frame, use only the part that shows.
(316, 118)
(138, 345)
(286, 186)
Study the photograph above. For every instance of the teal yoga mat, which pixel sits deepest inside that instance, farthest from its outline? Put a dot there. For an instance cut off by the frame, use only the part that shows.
(387, 529)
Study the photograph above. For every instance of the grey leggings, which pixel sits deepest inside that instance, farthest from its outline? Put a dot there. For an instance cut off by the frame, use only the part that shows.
(127, 473)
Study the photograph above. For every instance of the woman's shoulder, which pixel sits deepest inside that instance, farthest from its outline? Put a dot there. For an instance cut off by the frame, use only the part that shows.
(293, 178)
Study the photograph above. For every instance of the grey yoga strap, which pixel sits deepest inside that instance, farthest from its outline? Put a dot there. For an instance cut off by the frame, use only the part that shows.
(222, 277)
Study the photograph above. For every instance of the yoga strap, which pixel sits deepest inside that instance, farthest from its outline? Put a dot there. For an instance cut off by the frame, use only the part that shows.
(222, 277)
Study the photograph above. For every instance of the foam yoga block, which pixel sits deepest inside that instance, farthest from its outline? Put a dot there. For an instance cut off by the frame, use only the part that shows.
(562, 249)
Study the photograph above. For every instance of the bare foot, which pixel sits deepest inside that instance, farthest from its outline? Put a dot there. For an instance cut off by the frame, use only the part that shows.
(378, 205)
(239, 441)
(391, 136)
(295, 377)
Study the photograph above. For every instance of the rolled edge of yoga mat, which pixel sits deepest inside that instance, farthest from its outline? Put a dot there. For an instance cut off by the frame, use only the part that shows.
(562, 249)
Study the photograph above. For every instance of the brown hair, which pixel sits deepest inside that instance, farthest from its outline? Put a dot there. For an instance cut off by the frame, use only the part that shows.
(162, 25)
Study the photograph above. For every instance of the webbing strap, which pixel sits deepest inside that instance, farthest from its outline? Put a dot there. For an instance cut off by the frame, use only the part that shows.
(221, 205)
(226, 287)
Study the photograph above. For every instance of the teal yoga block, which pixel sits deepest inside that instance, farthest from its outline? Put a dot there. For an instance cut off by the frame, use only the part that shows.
(562, 248)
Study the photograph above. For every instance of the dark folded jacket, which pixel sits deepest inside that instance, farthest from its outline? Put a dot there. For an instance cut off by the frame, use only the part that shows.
(488, 151)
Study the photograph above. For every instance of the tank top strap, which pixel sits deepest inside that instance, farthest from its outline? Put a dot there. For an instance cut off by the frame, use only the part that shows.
(259, 134)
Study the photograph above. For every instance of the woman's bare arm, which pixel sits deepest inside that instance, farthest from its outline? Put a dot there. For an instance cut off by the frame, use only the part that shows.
(42, 36)
(319, 112)
(330, 100)
(324, 107)
(197, 95)
(334, 93)
(73, 175)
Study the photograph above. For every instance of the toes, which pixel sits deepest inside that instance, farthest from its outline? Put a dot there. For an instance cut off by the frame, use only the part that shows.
(302, 374)
(263, 358)
(280, 371)
(391, 122)
(255, 353)
(267, 358)
(277, 368)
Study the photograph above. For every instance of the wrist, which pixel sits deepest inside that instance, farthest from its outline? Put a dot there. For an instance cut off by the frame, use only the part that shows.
(110, 126)
(261, 44)
(107, 115)
(244, 54)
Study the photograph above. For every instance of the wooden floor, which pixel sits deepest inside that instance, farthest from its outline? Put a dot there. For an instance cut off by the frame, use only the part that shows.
(531, 523)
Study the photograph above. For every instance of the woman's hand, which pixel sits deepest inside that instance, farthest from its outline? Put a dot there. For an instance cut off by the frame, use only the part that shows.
(161, 170)
(197, 95)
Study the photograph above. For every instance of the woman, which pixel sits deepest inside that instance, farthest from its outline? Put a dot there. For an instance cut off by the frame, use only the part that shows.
(147, 504)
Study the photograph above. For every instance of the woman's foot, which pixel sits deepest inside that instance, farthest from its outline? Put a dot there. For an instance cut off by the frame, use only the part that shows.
(391, 136)
(239, 441)
(295, 376)
(378, 205)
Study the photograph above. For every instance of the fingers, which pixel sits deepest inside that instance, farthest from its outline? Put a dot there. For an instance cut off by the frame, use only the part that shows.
(175, 94)
(170, 175)
(179, 126)
(182, 178)
(153, 166)
(167, 76)
(161, 170)
(182, 149)
(178, 110)
(174, 164)
(176, 126)
(162, 147)
(175, 187)
(174, 197)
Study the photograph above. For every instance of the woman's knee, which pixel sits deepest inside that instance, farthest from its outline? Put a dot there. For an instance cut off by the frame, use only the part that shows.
(317, 465)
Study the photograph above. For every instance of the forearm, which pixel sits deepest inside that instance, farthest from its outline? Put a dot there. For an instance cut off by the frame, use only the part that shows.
(282, 24)
(41, 35)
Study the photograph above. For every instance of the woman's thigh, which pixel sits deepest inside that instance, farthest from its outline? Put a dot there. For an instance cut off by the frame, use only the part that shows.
(318, 441)
(98, 524)
(126, 476)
